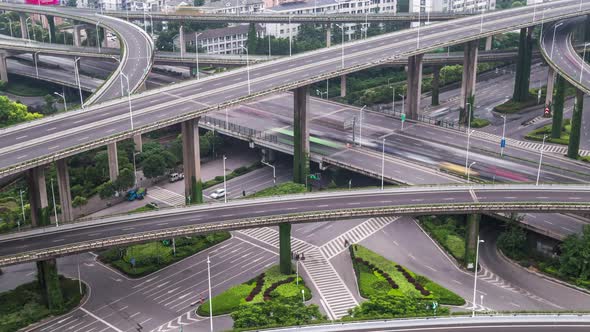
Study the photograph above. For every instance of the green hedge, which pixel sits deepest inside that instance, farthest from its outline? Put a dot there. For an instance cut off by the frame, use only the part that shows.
(479, 123)
(153, 256)
(511, 106)
(24, 305)
(537, 134)
(372, 284)
(448, 231)
(236, 172)
(230, 300)
(281, 189)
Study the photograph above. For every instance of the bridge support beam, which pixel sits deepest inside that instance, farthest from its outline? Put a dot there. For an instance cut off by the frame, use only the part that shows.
(435, 85)
(414, 85)
(489, 41)
(471, 238)
(38, 197)
(574, 143)
(285, 254)
(550, 85)
(557, 124)
(138, 143)
(24, 29)
(300, 135)
(343, 86)
(76, 32)
(113, 161)
(51, 27)
(181, 41)
(48, 280)
(469, 78)
(523, 66)
(3, 67)
(193, 187)
(65, 196)
(328, 35)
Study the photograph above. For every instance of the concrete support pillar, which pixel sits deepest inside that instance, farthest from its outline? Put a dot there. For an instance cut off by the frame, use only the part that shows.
(65, 196)
(414, 86)
(328, 35)
(469, 77)
(77, 35)
(435, 85)
(38, 196)
(48, 280)
(269, 155)
(471, 239)
(51, 27)
(550, 85)
(523, 66)
(113, 161)
(3, 67)
(181, 41)
(104, 42)
(285, 254)
(193, 187)
(489, 40)
(138, 142)
(24, 29)
(300, 135)
(343, 86)
(557, 110)
(574, 143)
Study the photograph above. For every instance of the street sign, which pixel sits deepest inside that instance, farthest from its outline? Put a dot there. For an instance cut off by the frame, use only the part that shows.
(547, 112)
(503, 143)
(348, 124)
(403, 117)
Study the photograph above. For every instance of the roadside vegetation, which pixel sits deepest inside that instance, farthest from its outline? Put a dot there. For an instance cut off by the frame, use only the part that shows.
(394, 291)
(270, 299)
(537, 134)
(286, 188)
(25, 305)
(140, 260)
(448, 231)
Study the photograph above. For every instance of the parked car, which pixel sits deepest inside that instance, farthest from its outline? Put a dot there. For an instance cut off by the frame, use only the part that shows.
(218, 193)
(176, 177)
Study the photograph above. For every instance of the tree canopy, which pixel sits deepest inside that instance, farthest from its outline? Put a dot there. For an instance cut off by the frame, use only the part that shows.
(13, 112)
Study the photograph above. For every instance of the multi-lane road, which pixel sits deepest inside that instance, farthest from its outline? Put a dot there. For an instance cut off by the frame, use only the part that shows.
(110, 121)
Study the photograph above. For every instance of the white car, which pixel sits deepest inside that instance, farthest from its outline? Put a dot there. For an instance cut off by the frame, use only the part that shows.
(218, 193)
(176, 177)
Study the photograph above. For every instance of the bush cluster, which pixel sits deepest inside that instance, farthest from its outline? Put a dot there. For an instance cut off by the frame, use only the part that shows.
(271, 288)
(378, 270)
(412, 281)
(256, 290)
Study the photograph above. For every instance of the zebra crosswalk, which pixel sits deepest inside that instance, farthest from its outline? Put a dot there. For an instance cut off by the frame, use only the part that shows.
(333, 291)
(355, 235)
(166, 196)
(552, 148)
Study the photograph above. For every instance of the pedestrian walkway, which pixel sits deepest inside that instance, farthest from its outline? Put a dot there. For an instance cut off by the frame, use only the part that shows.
(553, 148)
(355, 235)
(334, 293)
(166, 196)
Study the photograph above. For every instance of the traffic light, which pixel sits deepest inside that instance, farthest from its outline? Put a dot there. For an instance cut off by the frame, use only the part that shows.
(547, 112)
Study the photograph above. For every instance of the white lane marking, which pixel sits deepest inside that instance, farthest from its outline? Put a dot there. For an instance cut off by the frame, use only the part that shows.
(21, 137)
(21, 157)
(83, 138)
(58, 240)
(135, 314)
(457, 282)
(431, 268)
(101, 320)
(128, 228)
(162, 224)
(53, 147)
(52, 129)
(418, 200)
(93, 234)
(353, 203)
(323, 205)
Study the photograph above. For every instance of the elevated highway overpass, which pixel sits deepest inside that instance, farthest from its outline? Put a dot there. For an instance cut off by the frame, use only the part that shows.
(50, 242)
(110, 122)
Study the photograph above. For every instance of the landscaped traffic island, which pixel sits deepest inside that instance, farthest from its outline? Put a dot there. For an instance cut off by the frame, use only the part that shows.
(394, 291)
(270, 299)
(25, 305)
(142, 259)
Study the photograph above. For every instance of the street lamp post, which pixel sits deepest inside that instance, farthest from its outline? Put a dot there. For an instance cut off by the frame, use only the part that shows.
(321, 93)
(467, 153)
(247, 67)
(403, 104)
(10, 26)
(128, 98)
(392, 95)
(481, 24)
(210, 298)
(63, 96)
(274, 174)
(224, 181)
(541, 160)
(135, 171)
(35, 56)
(361, 126)
(197, 52)
(383, 164)
(54, 206)
(553, 42)
(583, 61)
(22, 205)
(97, 36)
(469, 172)
(77, 75)
(342, 56)
(503, 136)
(475, 275)
(290, 36)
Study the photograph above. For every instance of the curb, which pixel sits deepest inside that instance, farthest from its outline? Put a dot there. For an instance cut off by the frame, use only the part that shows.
(541, 275)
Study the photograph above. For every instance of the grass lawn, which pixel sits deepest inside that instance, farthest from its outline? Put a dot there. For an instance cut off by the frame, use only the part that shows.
(537, 134)
(372, 283)
(511, 107)
(479, 123)
(448, 231)
(23, 305)
(231, 299)
(281, 189)
(153, 256)
(26, 87)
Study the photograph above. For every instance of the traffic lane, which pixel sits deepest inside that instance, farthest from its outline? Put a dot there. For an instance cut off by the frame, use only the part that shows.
(554, 294)
(362, 57)
(217, 213)
(320, 233)
(511, 327)
(405, 243)
(559, 224)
